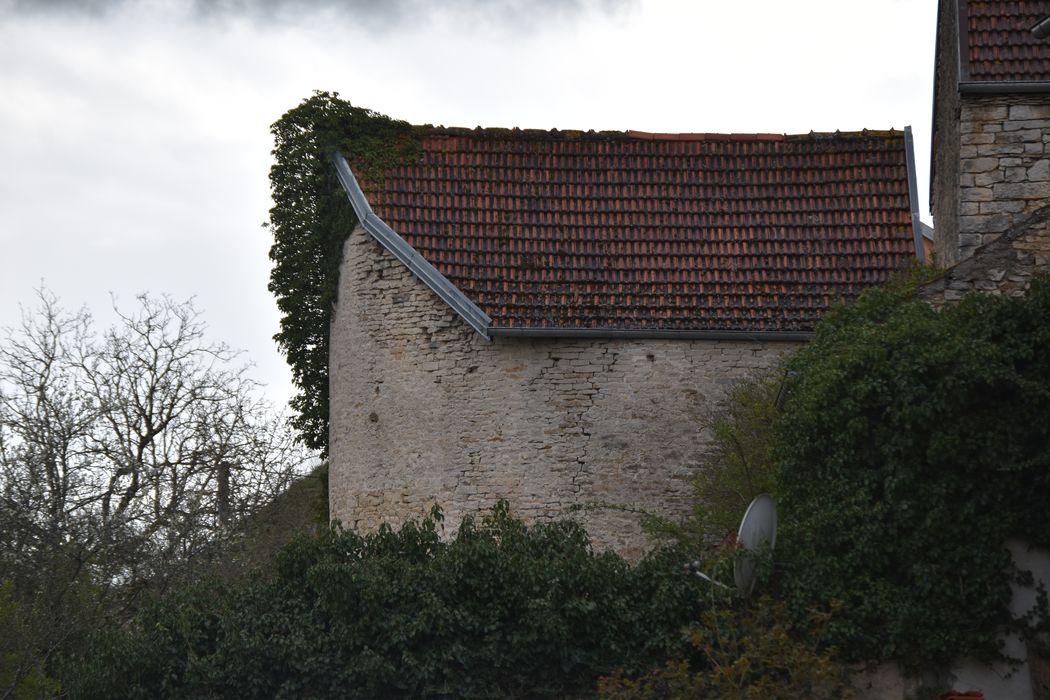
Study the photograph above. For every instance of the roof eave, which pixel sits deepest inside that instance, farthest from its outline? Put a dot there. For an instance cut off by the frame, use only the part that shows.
(650, 333)
(409, 256)
(1002, 87)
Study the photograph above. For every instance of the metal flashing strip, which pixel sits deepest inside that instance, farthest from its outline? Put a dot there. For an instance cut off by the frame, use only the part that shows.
(409, 256)
(1001, 87)
(655, 334)
(913, 196)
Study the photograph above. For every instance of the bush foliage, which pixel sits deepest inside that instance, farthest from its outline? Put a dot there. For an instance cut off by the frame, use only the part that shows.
(499, 611)
(748, 650)
(914, 443)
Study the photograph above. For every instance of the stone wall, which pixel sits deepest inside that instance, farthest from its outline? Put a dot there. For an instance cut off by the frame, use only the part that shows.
(1004, 165)
(425, 411)
(1004, 266)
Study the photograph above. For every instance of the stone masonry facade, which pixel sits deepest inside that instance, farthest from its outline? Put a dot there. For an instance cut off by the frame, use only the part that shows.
(1004, 266)
(425, 411)
(1003, 171)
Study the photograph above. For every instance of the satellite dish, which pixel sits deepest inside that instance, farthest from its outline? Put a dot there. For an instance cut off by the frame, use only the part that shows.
(758, 529)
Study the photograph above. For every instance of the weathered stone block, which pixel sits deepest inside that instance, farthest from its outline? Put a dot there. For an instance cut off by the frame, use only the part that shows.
(990, 223)
(1017, 174)
(1040, 172)
(1001, 149)
(977, 138)
(1030, 111)
(977, 194)
(979, 165)
(986, 112)
(1004, 207)
(1020, 190)
(1008, 137)
(989, 178)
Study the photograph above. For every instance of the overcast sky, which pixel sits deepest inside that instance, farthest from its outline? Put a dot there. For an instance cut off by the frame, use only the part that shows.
(134, 135)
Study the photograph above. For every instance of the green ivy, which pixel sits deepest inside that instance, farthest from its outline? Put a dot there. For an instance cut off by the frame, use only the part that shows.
(310, 219)
(913, 444)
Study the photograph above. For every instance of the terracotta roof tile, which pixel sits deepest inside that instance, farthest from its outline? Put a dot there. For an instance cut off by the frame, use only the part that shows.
(998, 44)
(647, 231)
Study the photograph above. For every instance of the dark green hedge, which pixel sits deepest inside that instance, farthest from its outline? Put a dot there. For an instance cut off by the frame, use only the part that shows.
(914, 442)
(500, 611)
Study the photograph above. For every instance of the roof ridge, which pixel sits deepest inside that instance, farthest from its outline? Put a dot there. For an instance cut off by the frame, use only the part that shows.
(636, 135)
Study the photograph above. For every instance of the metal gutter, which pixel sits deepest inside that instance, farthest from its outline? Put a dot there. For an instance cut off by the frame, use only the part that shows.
(998, 87)
(642, 333)
(1041, 30)
(913, 195)
(409, 256)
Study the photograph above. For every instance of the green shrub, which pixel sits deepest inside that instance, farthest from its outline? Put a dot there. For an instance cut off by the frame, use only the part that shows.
(738, 467)
(914, 442)
(748, 650)
(502, 610)
(22, 655)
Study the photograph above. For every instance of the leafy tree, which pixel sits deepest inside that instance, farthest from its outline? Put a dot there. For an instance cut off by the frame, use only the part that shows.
(913, 444)
(125, 457)
(310, 219)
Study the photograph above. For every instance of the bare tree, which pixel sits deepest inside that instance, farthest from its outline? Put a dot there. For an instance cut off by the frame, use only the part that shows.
(127, 456)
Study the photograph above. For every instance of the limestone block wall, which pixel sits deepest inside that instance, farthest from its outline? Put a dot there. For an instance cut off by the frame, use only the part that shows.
(1004, 266)
(425, 411)
(1004, 166)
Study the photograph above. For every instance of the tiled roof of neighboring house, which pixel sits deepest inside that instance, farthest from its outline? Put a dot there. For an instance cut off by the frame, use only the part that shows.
(670, 232)
(998, 44)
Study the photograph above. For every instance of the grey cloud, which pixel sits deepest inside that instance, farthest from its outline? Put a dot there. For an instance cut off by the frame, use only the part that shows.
(374, 14)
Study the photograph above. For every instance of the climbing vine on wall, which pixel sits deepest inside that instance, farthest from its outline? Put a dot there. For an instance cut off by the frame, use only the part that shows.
(913, 444)
(310, 219)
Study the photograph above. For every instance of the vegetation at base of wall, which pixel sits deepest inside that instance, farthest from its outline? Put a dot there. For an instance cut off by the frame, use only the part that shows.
(501, 610)
(749, 649)
(310, 219)
(738, 467)
(913, 444)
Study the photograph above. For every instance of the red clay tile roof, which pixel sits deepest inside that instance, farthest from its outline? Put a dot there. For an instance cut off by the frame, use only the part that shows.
(616, 230)
(998, 44)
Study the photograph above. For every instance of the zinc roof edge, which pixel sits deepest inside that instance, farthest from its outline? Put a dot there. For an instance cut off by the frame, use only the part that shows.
(649, 333)
(387, 237)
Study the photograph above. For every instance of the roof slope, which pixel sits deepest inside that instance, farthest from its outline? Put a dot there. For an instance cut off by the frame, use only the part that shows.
(997, 44)
(631, 231)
